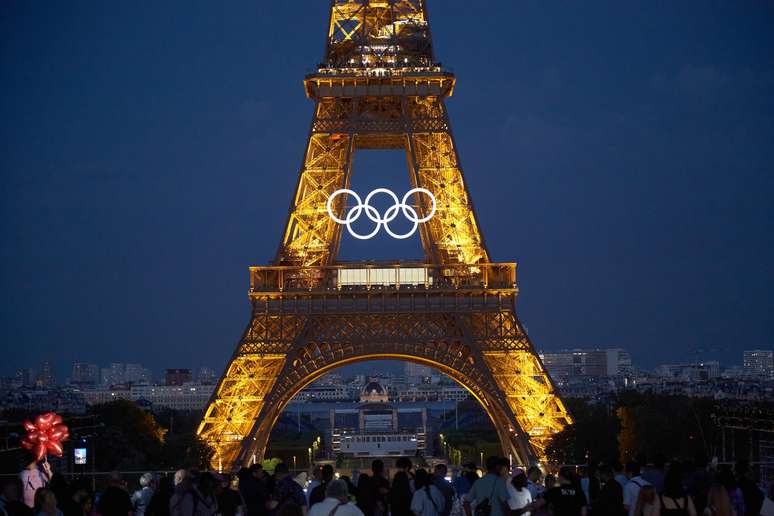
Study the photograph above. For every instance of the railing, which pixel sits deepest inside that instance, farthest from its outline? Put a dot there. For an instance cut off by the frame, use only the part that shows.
(381, 277)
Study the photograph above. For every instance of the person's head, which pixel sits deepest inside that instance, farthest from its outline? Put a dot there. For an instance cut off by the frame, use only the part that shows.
(618, 468)
(566, 475)
(421, 478)
(440, 470)
(281, 471)
(181, 476)
(550, 481)
(632, 469)
(726, 477)
(256, 470)
(337, 489)
(606, 474)
(207, 483)
(404, 463)
(115, 479)
(493, 465)
(673, 481)
(84, 500)
(377, 467)
(317, 472)
(327, 473)
(534, 474)
(12, 489)
(718, 500)
(146, 480)
(45, 501)
(519, 481)
(469, 466)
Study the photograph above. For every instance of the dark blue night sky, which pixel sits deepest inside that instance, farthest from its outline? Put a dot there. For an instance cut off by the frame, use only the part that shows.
(621, 152)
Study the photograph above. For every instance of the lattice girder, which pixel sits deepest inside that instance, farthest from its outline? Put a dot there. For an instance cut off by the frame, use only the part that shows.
(281, 353)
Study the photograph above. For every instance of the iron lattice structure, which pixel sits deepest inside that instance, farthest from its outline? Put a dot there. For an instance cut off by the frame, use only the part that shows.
(380, 88)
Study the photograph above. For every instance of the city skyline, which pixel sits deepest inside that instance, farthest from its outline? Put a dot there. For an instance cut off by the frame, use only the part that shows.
(630, 161)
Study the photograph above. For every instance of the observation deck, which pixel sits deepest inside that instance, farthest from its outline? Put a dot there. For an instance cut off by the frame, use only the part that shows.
(383, 287)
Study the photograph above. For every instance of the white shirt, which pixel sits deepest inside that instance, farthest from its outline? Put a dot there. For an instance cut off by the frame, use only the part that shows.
(631, 491)
(325, 507)
(428, 501)
(518, 499)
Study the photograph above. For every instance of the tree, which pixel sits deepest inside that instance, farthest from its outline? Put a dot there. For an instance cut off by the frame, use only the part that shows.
(132, 438)
(591, 437)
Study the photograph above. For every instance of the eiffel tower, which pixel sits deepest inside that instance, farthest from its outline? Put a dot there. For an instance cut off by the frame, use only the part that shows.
(380, 87)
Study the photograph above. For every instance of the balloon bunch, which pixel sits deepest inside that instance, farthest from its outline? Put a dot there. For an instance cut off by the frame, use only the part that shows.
(45, 435)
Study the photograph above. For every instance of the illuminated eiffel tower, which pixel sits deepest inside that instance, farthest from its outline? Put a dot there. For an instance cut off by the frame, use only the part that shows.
(381, 88)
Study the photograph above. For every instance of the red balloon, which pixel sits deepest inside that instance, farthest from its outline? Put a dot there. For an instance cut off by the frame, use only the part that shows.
(40, 451)
(45, 435)
(55, 447)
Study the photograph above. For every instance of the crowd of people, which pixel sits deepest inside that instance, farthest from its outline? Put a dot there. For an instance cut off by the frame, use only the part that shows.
(661, 489)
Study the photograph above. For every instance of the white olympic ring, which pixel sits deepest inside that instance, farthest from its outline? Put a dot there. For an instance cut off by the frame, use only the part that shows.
(373, 214)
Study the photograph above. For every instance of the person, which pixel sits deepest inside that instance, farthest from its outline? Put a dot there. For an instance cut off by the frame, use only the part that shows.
(115, 500)
(566, 498)
(726, 477)
(230, 502)
(620, 475)
(632, 488)
(550, 482)
(401, 490)
(610, 500)
(11, 498)
(438, 479)
(718, 503)
(45, 503)
(674, 500)
(252, 487)
(286, 490)
(315, 481)
(373, 491)
(460, 483)
(489, 493)
(647, 503)
(34, 477)
(318, 493)
(427, 499)
(753, 497)
(520, 497)
(655, 475)
(336, 502)
(159, 502)
(142, 497)
(533, 482)
(698, 482)
(470, 472)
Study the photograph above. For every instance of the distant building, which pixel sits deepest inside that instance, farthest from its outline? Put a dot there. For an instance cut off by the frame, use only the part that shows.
(177, 376)
(376, 428)
(136, 373)
(759, 362)
(46, 377)
(85, 375)
(417, 373)
(690, 372)
(187, 397)
(113, 375)
(207, 376)
(25, 377)
(587, 362)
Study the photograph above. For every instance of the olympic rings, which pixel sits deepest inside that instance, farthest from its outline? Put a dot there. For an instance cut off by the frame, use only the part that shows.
(373, 214)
